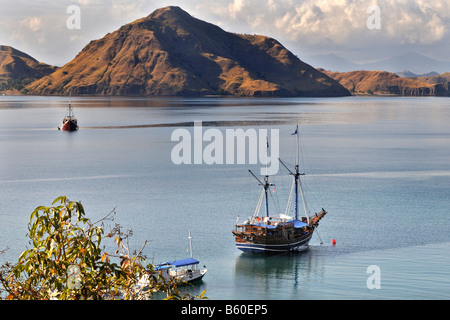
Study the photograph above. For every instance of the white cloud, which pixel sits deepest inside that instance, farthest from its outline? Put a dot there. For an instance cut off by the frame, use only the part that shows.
(32, 23)
(338, 21)
(417, 22)
(121, 10)
(339, 26)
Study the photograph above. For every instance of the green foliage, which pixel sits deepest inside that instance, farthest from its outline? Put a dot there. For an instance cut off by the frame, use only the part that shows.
(66, 261)
(17, 84)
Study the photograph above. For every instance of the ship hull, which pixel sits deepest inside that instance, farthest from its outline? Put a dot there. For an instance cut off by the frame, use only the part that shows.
(284, 237)
(194, 277)
(274, 247)
(70, 125)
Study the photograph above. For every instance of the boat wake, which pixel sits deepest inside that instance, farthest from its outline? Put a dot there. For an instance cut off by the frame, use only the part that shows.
(226, 123)
(388, 174)
(66, 178)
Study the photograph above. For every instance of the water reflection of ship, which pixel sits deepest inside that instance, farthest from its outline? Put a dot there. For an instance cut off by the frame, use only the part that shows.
(272, 270)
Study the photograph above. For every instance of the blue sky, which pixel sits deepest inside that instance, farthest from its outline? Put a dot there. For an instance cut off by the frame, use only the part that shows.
(306, 27)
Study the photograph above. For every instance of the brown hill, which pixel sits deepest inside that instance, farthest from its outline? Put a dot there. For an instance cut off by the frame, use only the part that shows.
(440, 78)
(171, 53)
(382, 82)
(18, 68)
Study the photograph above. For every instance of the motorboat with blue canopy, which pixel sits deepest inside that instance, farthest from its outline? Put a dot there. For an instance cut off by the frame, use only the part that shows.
(184, 270)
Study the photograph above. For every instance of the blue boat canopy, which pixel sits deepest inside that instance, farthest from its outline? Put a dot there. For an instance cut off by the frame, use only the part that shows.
(268, 226)
(184, 262)
(299, 224)
(177, 263)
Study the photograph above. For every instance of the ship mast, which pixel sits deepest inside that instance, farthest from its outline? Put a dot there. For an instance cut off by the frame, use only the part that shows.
(297, 181)
(70, 111)
(190, 243)
(266, 186)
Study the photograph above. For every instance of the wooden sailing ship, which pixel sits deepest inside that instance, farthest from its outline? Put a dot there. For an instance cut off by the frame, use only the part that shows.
(281, 232)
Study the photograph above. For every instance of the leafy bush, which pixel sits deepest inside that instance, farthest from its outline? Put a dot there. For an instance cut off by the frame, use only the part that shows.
(66, 261)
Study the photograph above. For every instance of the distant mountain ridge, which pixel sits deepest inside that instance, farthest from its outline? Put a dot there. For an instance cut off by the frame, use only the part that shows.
(409, 74)
(412, 62)
(435, 79)
(384, 83)
(171, 53)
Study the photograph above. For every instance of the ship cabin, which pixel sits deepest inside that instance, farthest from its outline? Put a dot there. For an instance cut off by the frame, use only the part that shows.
(274, 226)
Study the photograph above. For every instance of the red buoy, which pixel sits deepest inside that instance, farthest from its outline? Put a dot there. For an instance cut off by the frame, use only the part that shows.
(334, 242)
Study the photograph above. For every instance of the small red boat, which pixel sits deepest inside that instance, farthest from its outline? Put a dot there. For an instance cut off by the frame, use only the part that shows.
(70, 122)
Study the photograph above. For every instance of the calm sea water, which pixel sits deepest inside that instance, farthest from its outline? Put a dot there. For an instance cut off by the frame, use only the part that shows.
(380, 167)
